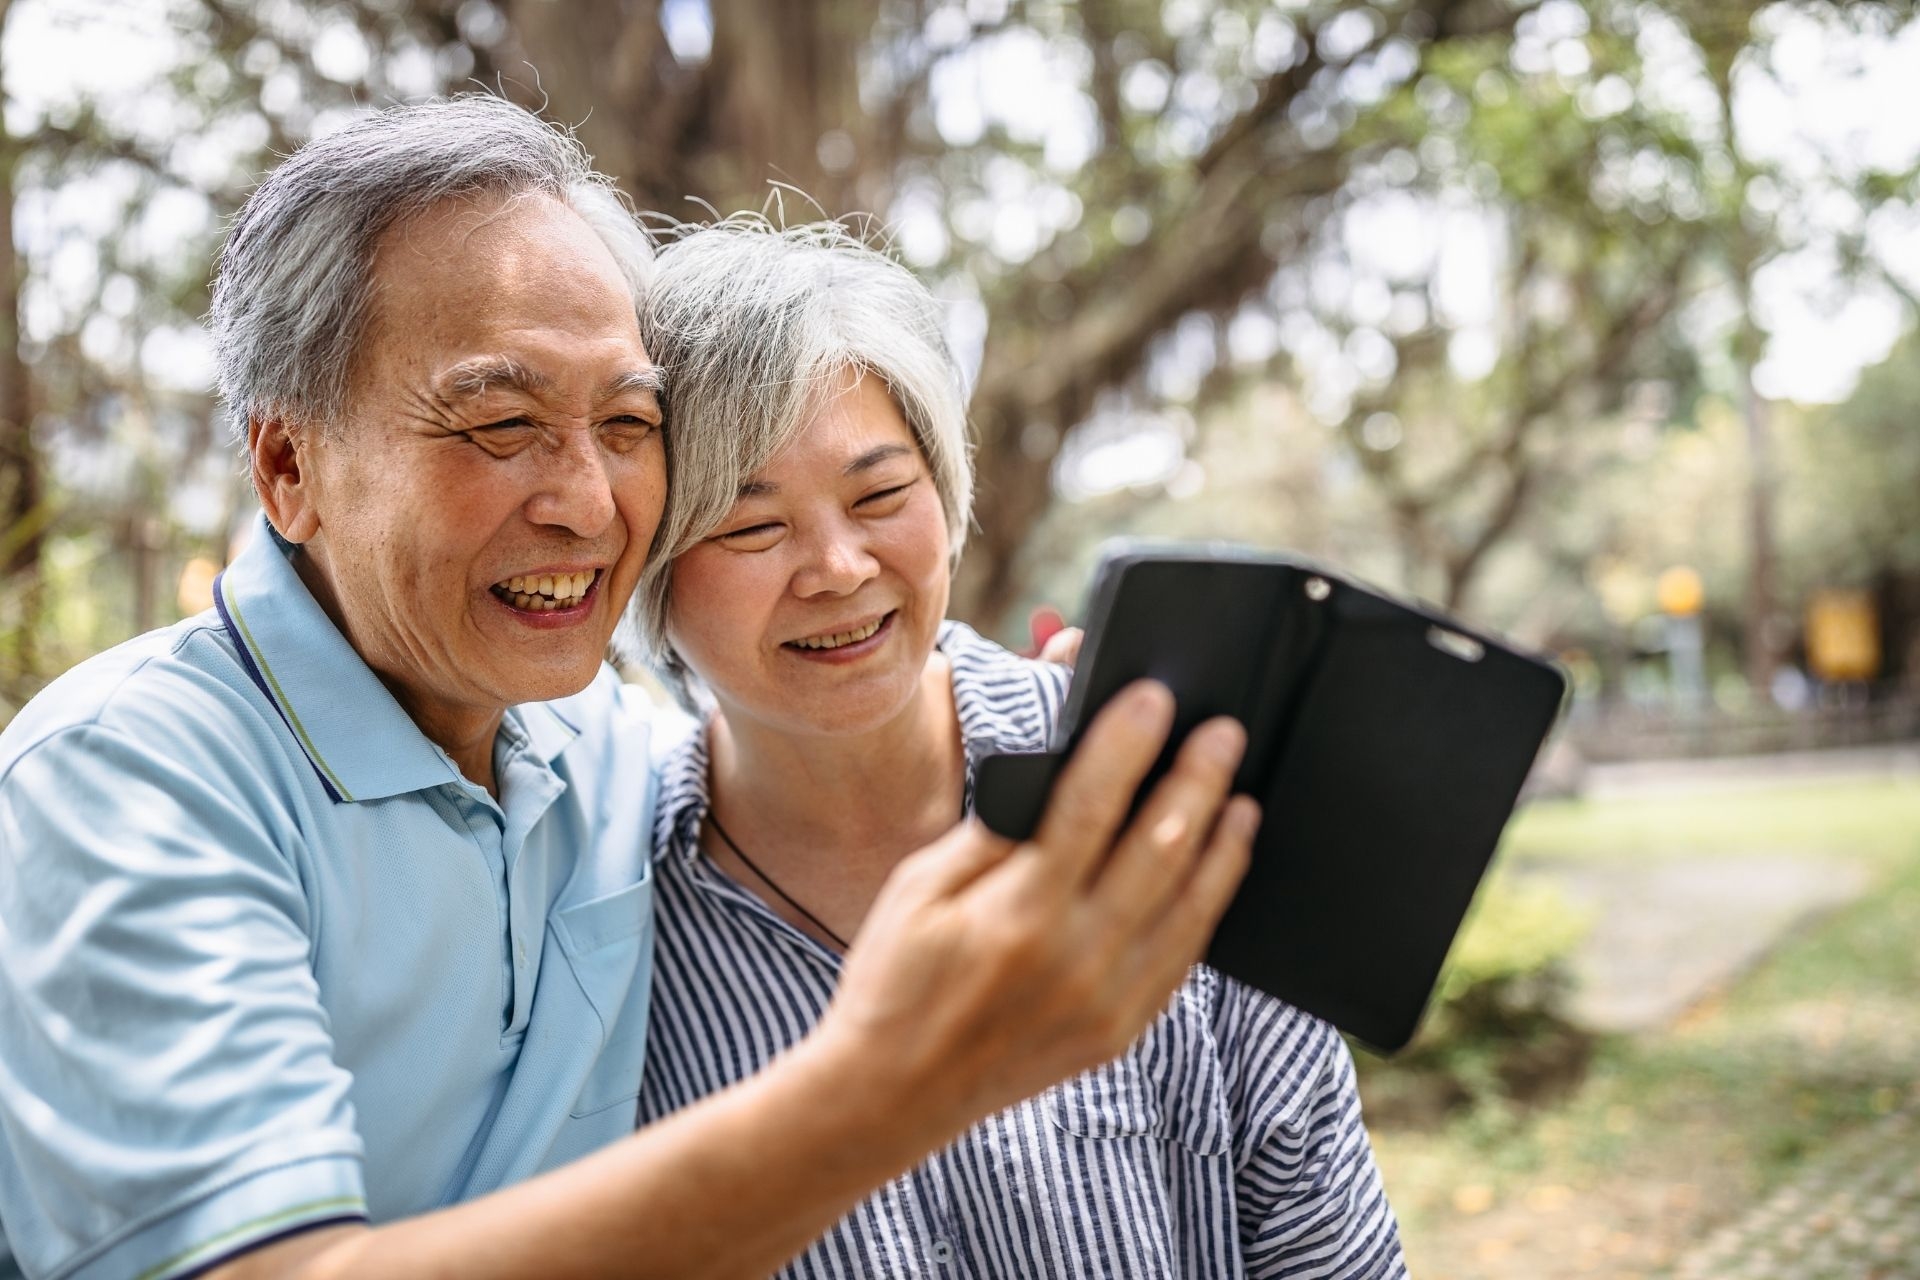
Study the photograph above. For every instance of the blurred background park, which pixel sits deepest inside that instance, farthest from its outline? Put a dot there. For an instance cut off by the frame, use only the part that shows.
(1593, 320)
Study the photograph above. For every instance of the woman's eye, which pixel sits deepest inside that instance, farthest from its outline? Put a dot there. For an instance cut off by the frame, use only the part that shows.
(755, 537)
(881, 498)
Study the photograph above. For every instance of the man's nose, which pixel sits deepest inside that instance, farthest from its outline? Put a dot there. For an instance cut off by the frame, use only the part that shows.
(838, 562)
(576, 490)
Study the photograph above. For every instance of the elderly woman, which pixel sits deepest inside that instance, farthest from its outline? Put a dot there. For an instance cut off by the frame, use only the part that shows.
(820, 493)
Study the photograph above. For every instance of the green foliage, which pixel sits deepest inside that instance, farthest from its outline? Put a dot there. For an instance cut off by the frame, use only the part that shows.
(1519, 934)
(1493, 1039)
(1189, 171)
(1854, 508)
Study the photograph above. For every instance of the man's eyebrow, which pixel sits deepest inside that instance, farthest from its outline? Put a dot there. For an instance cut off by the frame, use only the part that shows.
(481, 374)
(871, 458)
(648, 380)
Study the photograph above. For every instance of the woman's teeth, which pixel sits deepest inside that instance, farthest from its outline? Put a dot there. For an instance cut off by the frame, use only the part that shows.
(545, 592)
(840, 638)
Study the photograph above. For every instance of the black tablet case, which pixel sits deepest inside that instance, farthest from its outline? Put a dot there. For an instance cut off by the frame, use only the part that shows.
(1386, 744)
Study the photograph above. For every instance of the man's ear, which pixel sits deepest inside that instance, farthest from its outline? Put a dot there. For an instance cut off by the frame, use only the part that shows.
(279, 453)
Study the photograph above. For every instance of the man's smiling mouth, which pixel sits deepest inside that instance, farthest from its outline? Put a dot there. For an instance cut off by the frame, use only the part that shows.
(546, 592)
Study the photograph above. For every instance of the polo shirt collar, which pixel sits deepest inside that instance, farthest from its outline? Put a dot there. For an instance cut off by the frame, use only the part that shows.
(361, 742)
(547, 728)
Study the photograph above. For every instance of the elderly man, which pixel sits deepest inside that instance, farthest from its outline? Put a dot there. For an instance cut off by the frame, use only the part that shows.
(324, 916)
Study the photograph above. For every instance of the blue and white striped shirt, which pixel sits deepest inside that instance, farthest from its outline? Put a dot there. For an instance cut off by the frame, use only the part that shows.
(1226, 1142)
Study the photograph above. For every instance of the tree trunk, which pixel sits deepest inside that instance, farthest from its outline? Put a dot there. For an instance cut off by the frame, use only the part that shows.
(1762, 649)
(776, 80)
(1013, 487)
(1721, 33)
(23, 506)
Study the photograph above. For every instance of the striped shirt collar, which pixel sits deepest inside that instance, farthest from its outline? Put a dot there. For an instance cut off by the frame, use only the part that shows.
(984, 726)
(360, 741)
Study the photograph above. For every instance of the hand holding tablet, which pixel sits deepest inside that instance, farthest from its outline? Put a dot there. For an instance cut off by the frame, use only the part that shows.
(1387, 745)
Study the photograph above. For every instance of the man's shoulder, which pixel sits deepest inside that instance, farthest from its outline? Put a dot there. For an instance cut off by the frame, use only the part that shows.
(170, 689)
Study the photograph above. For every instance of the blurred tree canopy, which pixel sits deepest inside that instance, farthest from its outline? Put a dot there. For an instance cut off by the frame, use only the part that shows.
(1863, 512)
(1141, 211)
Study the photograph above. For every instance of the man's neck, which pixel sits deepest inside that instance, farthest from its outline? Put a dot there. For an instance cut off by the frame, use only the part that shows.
(466, 733)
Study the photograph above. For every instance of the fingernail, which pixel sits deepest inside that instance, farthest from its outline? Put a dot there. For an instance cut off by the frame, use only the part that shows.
(1223, 741)
(1243, 812)
(1149, 702)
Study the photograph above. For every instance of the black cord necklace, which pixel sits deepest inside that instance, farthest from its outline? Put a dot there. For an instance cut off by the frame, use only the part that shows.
(768, 880)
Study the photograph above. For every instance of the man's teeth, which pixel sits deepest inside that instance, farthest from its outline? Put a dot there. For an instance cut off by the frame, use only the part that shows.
(840, 638)
(544, 592)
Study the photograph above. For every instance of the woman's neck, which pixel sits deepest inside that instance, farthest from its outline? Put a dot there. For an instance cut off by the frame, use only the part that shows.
(827, 817)
(821, 792)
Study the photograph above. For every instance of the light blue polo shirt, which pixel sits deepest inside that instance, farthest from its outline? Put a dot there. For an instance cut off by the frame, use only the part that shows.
(268, 960)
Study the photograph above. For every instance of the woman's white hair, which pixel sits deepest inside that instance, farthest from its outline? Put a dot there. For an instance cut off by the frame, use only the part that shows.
(753, 326)
(293, 293)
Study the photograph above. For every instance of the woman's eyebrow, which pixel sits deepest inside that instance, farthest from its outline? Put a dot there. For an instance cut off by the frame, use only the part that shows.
(871, 458)
(874, 457)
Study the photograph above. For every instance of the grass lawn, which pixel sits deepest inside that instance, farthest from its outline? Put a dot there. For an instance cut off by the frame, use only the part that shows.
(1878, 819)
(1673, 1133)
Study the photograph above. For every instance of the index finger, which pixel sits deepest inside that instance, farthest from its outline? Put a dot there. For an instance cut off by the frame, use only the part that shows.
(1095, 790)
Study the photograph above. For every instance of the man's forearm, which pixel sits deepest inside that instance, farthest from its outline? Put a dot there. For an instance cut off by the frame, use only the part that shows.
(742, 1181)
(733, 1186)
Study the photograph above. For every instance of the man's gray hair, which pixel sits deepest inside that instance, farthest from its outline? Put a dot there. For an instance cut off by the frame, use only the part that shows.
(293, 293)
(754, 326)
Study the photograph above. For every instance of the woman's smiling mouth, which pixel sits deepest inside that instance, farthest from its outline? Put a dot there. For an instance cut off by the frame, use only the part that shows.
(844, 645)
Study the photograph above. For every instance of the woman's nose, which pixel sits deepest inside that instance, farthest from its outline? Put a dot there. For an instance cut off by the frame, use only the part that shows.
(839, 563)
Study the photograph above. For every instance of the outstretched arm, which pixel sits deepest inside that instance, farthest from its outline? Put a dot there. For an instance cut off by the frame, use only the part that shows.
(987, 971)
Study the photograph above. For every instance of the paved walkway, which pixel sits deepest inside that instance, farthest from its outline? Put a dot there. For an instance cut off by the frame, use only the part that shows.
(1667, 934)
(1671, 932)
(1852, 1214)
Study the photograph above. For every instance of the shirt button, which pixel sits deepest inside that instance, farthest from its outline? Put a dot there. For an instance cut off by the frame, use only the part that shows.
(942, 1251)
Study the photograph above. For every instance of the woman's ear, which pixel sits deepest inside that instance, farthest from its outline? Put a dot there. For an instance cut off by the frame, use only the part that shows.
(278, 454)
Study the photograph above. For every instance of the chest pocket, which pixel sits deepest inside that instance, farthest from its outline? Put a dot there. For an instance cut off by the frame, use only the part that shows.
(608, 941)
(1168, 1085)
